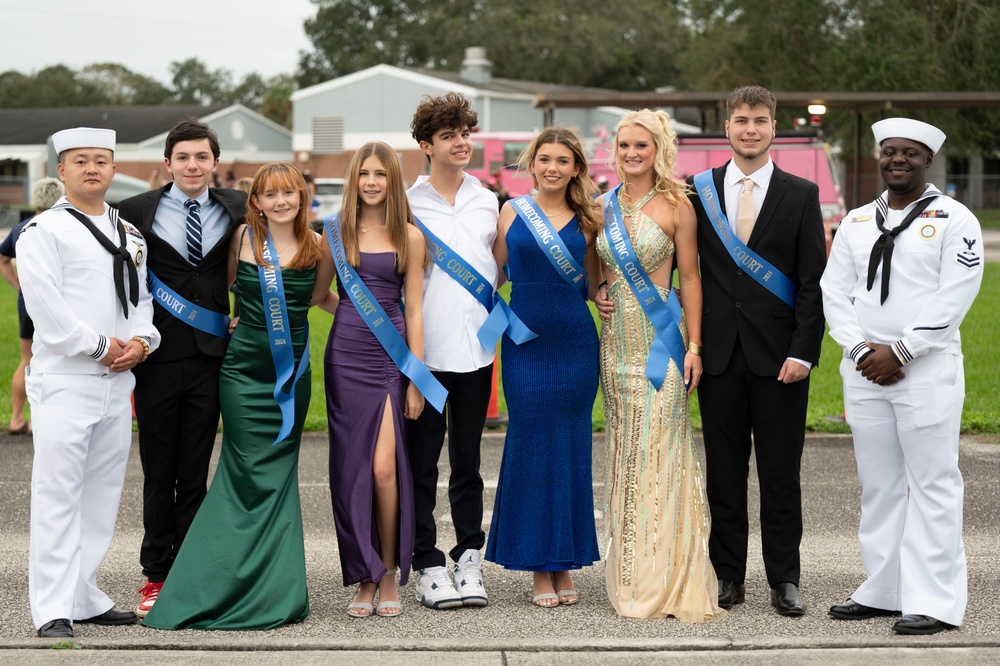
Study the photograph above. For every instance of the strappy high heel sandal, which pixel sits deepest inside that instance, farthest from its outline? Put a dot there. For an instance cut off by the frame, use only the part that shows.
(360, 609)
(390, 608)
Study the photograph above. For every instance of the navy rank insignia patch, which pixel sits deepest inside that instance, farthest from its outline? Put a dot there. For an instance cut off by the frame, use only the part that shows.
(934, 213)
(968, 257)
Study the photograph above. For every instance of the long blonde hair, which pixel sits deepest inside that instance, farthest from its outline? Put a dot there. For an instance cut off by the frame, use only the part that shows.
(581, 190)
(396, 207)
(657, 123)
(281, 176)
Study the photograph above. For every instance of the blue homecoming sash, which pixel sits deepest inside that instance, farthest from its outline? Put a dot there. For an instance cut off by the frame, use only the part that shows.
(544, 233)
(664, 316)
(501, 318)
(272, 292)
(755, 266)
(209, 321)
(379, 324)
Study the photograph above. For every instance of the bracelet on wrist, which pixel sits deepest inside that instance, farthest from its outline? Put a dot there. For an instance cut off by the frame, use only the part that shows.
(145, 348)
(694, 349)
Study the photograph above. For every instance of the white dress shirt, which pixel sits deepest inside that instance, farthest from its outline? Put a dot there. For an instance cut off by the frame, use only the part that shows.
(733, 184)
(452, 316)
(170, 221)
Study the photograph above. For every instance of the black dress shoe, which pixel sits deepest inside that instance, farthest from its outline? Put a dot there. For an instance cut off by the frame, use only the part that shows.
(60, 628)
(920, 624)
(852, 610)
(112, 617)
(731, 593)
(786, 600)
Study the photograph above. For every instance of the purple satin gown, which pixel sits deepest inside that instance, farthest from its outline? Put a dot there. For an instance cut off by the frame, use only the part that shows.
(359, 377)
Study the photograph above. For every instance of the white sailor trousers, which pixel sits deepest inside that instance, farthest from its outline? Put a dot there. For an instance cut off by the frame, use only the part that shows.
(906, 447)
(82, 433)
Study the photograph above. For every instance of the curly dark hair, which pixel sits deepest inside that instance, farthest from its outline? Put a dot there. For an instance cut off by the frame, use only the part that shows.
(452, 111)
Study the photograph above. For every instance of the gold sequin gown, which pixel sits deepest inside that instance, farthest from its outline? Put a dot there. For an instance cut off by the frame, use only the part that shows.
(657, 515)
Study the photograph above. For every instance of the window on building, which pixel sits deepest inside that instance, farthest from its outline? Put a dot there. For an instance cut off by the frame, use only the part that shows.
(511, 151)
(476, 162)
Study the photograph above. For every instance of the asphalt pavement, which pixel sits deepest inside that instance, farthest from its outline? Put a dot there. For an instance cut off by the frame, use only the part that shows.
(510, 630)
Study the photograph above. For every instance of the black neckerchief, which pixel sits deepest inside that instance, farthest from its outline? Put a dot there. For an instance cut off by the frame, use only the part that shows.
(118, 253)
(883, 247)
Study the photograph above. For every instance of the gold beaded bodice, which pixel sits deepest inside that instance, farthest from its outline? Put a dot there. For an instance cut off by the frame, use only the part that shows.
(651, 244)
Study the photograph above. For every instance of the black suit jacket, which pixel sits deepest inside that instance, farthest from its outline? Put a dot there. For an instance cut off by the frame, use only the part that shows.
(204, 284)
(789, 234)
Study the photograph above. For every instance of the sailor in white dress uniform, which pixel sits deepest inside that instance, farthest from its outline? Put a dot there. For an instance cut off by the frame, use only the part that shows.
(903, 272)
(93, 322)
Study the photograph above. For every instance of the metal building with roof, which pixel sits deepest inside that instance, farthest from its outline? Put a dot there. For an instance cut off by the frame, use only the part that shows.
(247, 140)
(332, 119)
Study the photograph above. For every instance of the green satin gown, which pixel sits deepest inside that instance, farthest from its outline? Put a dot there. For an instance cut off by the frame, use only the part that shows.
(242, 564)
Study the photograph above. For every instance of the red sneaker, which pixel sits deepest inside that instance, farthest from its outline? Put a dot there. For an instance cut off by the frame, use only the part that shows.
(147, 596)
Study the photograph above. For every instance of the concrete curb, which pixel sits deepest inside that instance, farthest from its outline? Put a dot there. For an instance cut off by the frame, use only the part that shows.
(270, 644)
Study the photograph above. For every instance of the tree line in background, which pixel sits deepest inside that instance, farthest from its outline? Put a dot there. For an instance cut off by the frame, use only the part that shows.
(696, 45)
(113, 84)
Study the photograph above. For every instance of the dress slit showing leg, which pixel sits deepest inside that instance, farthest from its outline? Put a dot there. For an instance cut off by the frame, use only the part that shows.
(361, 382)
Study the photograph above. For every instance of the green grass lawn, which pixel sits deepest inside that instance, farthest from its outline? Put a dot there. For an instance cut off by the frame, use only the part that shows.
(980, 339)
(989, 218)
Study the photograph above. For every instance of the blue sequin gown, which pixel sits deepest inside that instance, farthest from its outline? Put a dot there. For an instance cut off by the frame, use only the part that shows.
(543, 514)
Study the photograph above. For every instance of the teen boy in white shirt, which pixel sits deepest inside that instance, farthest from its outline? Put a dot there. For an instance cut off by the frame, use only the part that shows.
(462, 214)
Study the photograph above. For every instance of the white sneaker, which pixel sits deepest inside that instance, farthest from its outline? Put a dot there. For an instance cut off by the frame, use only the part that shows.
(468, 574)
(436, 590)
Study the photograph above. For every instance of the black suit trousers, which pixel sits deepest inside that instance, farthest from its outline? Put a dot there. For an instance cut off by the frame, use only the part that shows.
(177, 407)
(468, 400)
(735, 404)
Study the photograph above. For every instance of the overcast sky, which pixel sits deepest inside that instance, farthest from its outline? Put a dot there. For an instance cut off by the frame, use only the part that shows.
(239, 35)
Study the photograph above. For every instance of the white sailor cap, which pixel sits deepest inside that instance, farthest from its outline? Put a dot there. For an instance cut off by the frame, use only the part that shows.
(907, 128)
(83, 137)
